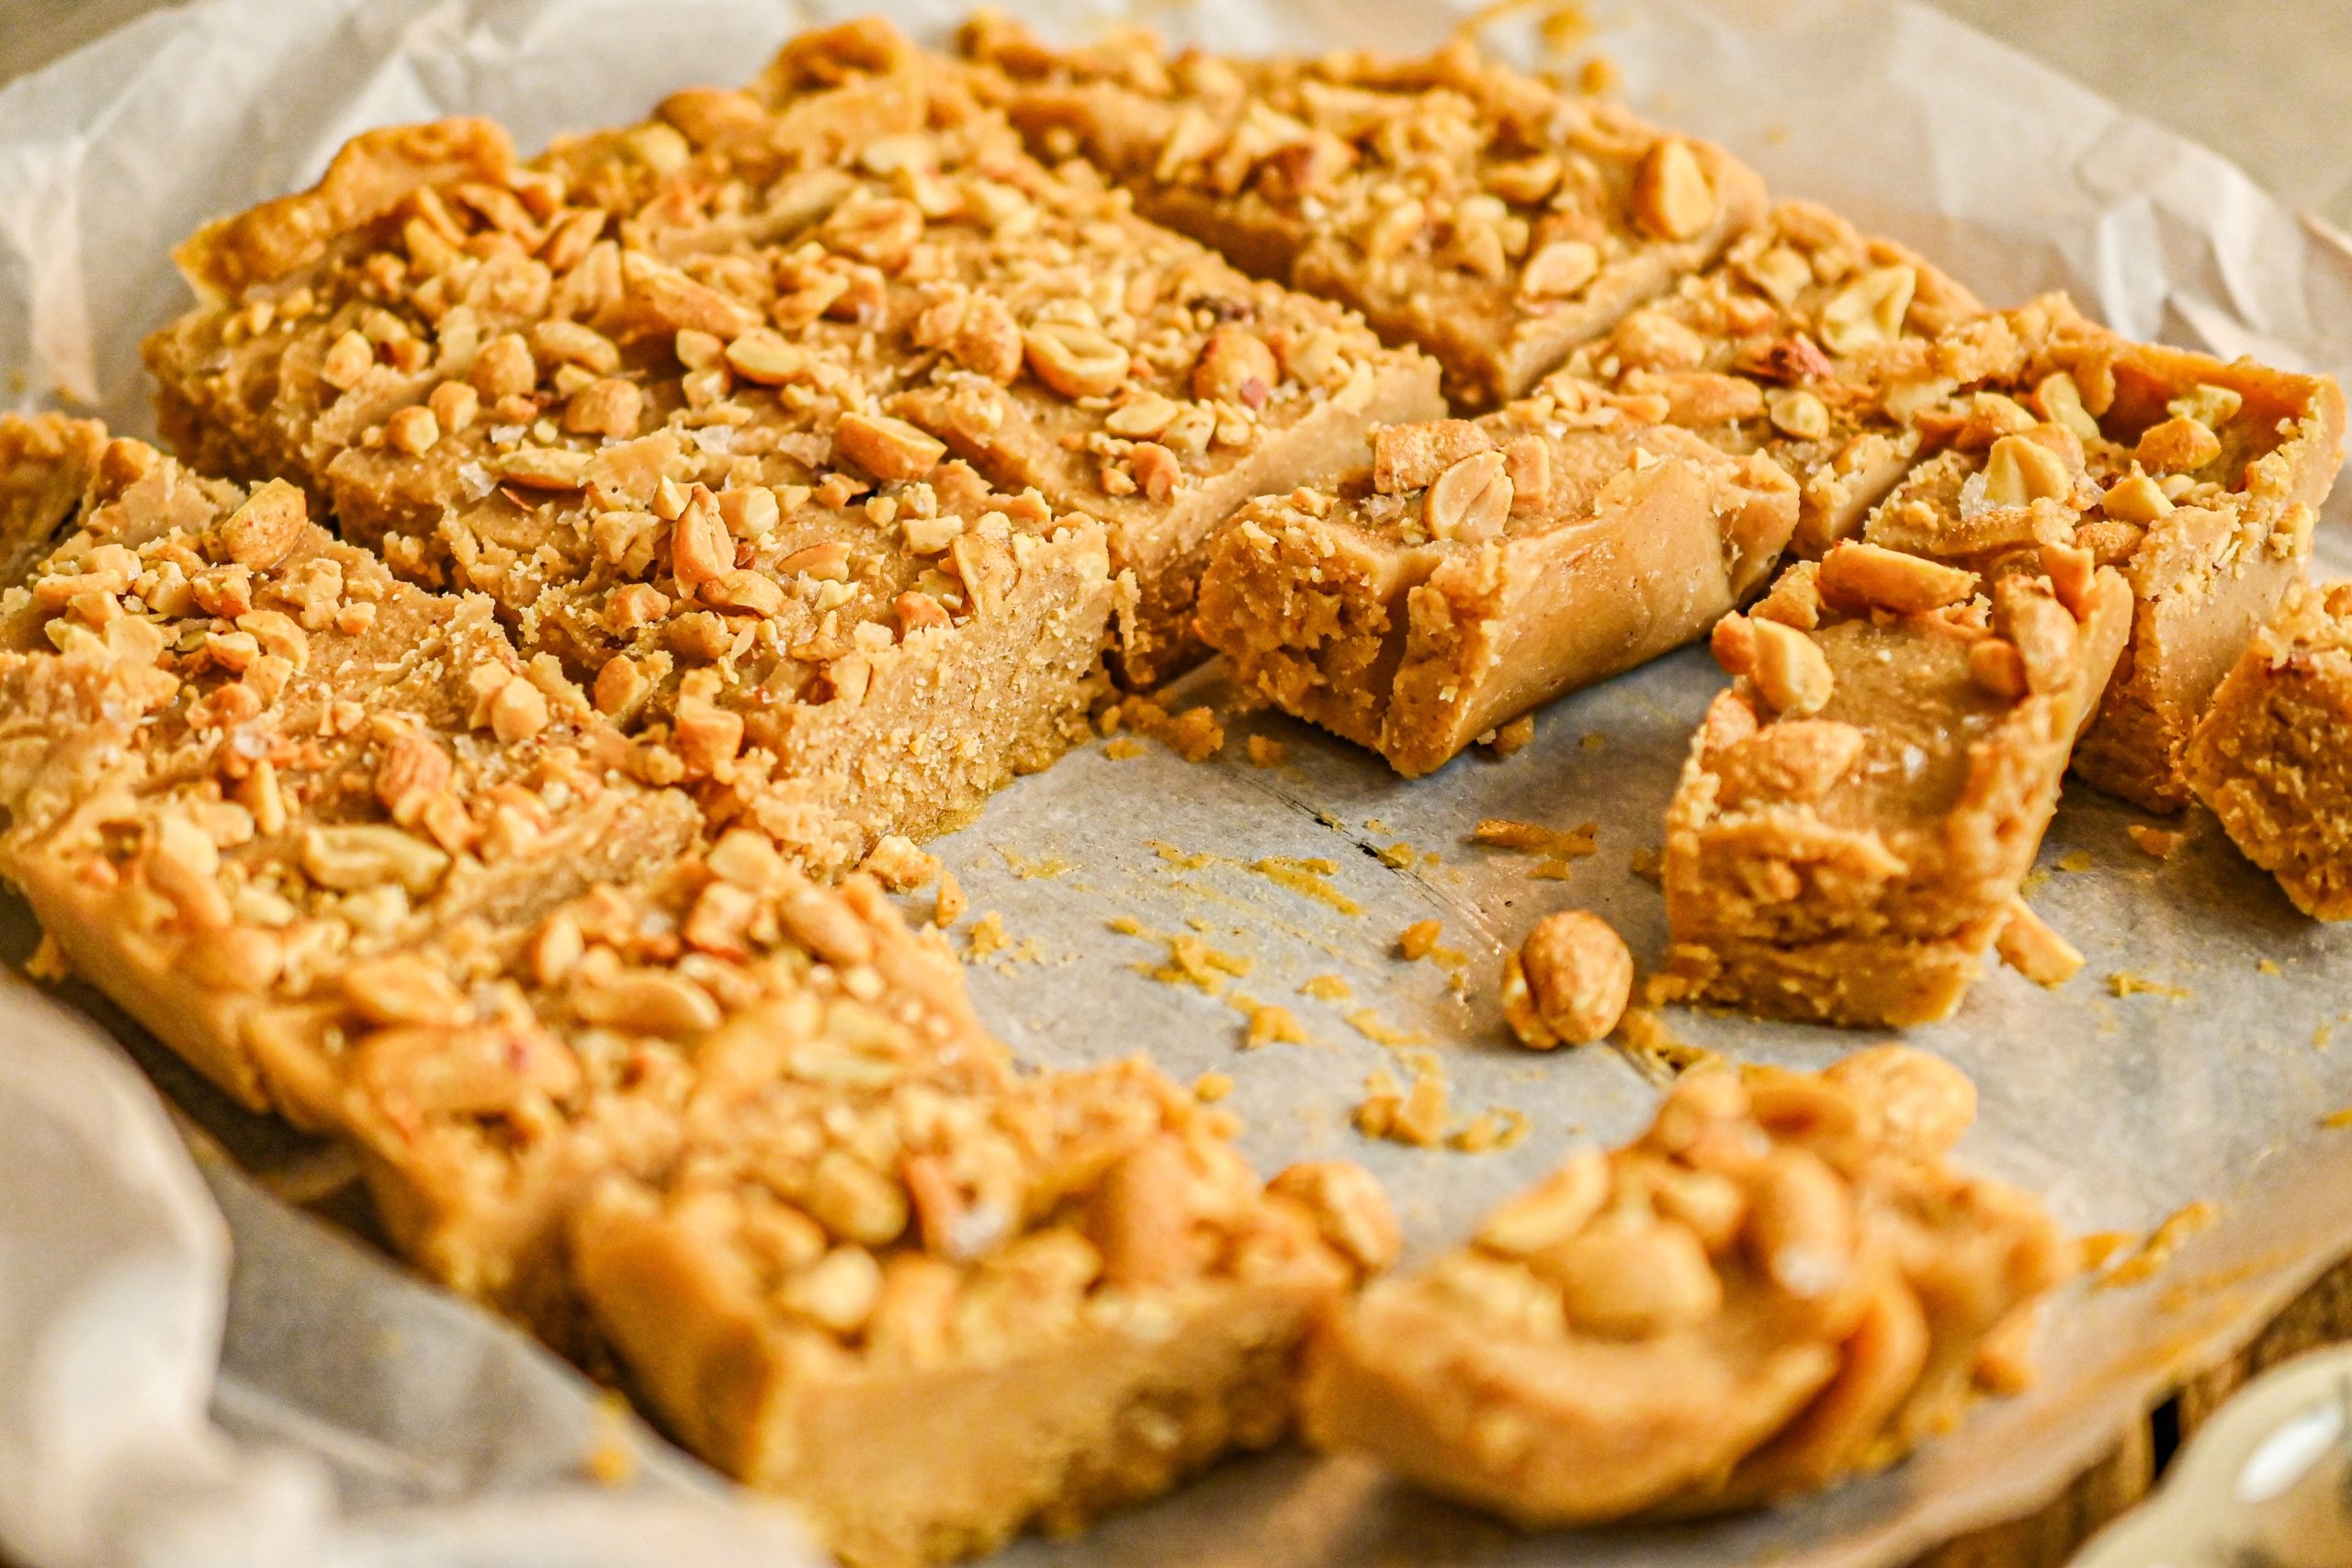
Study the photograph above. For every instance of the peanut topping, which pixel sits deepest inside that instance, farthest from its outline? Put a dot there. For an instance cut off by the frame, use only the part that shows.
(1869, 309)
(2019, 471)
(1469, 501)
(2178, 445)
(889, 449)
(1407, 457)
(1077, 362)
(1236, 367)
(2028, 946)
(2136, 498)
(1791, 673)
(1569, 981)
(259, 533)
(1560, 270)
(1867, 574)
(1671, 195)
(412, 430)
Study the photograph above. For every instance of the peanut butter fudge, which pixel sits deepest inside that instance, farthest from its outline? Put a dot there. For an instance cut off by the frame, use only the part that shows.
(934, 1318)
(1860, 808)
(46, 464)
(1809, 341)
(822, 287)
(1485, 215)
(2273, 755)
(1782, 1282)
(1479, 568)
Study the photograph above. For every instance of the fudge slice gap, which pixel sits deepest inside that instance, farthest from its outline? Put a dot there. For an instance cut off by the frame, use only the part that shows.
(1479, 568)
(2272, 756)
(1489, 216)
(1782, 1282)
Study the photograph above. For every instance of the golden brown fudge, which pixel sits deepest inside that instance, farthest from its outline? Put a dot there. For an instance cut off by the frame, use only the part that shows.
(1782, 1282)
(1809, 341)
(2214, 474)
(1479, 568)
(46, 464)
(1485, 215)
(814, 293)
(1860, 808)
(934, 1318)
(2273, 755)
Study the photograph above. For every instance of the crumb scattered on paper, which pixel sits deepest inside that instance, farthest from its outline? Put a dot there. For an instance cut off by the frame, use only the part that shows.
(2158, 842)
(1123, 747)
(1368, 1023)
(1266, 753)
(2074, 861)
(611, 1460)
(1510, 739)
(986, 937)
(1044, 867)
(2153, 1253)
(1210, 1088)
(2124, 983)
(951, 904)
(1326, 988)
(1309, 877)
(1414, 1116)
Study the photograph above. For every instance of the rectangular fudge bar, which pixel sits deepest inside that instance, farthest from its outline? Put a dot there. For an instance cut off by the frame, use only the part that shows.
(1809, 341)
(1491, 217)
(2272, 756)
(46, 465)
(1782, 1282)
(770, 285)
(933, 1320)
(1860, 810)
(1479, 569)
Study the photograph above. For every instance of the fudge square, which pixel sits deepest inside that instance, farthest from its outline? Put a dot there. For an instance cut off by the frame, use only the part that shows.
(934, 1318)
(1492, 218)
(1860, 808)
(1481, 569)
(824, 287)
(1656, 1330)
(1809, 341)
(2272, 757)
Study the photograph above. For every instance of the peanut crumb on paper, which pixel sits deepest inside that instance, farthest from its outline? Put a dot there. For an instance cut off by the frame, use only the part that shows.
(1414, 1116)
(2159, 842)
(2074, 861)
(1510, 739)
(1122, 748)
(2096, 1248)
(1398, 856)
(987, 938)
(1210, 1088)
(1309, 877)
(1368, 1023)
(1646, 1038)
(1490, 1132)
(1267, 1023)
(2338, 1118)
(1592, 740)
(2154, 1252)
(2267, 966)
(1326, 988)
(2124, 983)
(951, 904)
(1043, 868)
(48, 962)
(1266, 753)
(1648, 862)
(612, 1458)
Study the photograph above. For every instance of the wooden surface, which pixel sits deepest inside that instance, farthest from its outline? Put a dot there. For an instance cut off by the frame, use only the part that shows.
(2267, 83)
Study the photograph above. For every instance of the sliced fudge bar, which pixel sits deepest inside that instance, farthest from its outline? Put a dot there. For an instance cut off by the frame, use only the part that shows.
(1809, 341)
(1784, 1282)
(1479, 568)
(2273, 755)
(1487, 215)
(1860, 809)
(878, 254)
(2214, 476)
(934, 1317)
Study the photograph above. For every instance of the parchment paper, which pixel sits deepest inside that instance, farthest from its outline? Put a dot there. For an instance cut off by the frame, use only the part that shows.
(421, 1424)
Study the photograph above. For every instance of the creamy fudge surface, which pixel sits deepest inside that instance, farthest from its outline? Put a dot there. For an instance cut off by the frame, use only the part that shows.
(2272, 757)
(1487, 215)
(1808, 342)
(1478, 570)
(1781, 1282)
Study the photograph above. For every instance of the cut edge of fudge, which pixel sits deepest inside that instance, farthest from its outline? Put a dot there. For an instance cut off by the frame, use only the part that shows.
(1066, 1295)
(2270, 756)
(1478, 570)
(1860, 810)
(1655, 1331)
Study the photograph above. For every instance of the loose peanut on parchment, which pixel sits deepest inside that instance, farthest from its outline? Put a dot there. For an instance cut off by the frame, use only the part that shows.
(1568, 981)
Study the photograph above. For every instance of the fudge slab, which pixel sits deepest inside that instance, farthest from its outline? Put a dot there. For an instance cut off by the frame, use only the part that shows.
(1860, 808)
(933, 1319)
(1809, 341)
(2272, 756)
(779, 282)
(1781, 1283)
(1479, 568)
(1489, 216)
